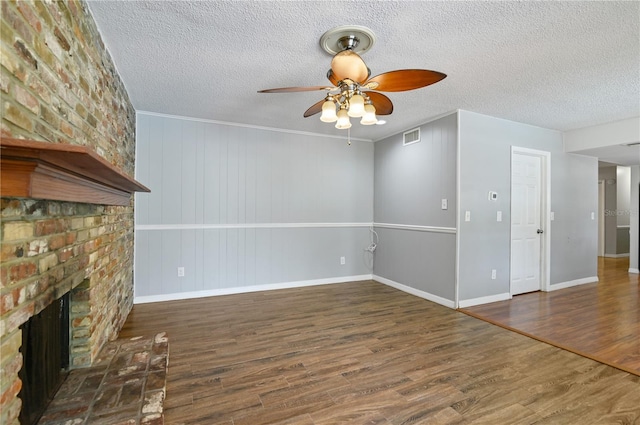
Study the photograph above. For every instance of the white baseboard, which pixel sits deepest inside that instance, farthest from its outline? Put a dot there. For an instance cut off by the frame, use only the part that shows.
(244, 289)
(484, 300)
(632, 270)
(413, 291)
(570, 283)
(616, 255)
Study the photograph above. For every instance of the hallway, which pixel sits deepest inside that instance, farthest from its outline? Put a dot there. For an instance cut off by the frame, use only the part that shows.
(597, 320)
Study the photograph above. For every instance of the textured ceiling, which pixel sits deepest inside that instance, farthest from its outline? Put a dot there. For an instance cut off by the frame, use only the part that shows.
(559, 65)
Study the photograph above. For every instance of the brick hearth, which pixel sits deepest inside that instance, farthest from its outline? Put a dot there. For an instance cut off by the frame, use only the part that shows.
(125, 385)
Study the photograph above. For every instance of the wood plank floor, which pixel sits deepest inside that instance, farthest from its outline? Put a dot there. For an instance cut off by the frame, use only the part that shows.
(365, 353)
(599, 320)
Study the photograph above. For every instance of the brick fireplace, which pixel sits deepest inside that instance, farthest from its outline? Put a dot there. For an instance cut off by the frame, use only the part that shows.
(50, 248)
(59, 85)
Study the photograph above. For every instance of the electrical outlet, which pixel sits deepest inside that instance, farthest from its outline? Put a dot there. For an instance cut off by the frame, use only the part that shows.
(180, 271)
(499, 216)
(493, 274)
(343, 261)
(445, 204)
(467, 216)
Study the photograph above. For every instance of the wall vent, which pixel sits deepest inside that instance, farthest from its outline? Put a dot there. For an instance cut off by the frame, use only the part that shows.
(411, 136)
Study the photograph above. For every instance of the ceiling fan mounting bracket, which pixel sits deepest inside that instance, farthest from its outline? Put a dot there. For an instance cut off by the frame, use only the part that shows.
(347, 37)
(348, 42)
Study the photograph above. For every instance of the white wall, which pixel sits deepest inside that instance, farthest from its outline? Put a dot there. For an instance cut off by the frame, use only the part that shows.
(623, 212)
(243, 207)
(623, 180)
(484, 243)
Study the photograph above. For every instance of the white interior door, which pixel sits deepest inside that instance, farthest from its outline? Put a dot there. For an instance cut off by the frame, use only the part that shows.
(526, 223)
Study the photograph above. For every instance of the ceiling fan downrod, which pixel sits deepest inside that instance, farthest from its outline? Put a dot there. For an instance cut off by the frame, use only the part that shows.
(348, 42)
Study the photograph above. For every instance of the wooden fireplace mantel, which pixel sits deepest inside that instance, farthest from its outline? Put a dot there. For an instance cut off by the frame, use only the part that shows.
(41, 170)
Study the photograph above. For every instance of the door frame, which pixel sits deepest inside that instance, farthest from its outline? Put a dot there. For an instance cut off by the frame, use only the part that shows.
(601, 218)
(545, 213)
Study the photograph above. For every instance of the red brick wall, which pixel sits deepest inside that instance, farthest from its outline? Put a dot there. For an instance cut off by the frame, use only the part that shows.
(58, 84)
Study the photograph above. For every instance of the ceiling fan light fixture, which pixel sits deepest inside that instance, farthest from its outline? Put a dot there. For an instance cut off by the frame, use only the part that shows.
(343, 120)
(354, 93)
(328, 111)
(369, 117)
(356, 106)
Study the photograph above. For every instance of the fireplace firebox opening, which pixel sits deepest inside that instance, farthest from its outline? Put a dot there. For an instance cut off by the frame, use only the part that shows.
(45, 353)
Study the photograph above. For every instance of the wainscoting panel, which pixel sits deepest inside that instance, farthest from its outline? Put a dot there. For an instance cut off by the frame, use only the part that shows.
(242, 206)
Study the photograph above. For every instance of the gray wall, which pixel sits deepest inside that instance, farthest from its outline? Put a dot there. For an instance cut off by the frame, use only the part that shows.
(410, 182)
(484, 243)
(211, 183)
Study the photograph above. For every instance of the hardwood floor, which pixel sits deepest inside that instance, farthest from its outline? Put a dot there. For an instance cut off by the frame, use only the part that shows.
(365, 353)
(599, 320)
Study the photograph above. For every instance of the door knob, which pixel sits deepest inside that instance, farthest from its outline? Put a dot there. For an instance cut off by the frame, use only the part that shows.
(539, 231)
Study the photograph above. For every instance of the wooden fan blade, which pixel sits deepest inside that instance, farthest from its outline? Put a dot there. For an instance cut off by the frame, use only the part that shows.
(406, 79)
(314, 109)
(381, 102)
(295, 89)
(332, 77)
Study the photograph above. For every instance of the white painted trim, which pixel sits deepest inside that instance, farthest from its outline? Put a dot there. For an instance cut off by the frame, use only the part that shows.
(570, 283)
(545, 258)
(258, 127)
(626, 254)
(432, 229)
(413, 291)
(244, 289)
(484, 300)
(456, 289)
(635, 271)
(246, 226)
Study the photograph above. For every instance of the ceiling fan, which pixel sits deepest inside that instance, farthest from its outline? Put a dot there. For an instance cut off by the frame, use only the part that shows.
(353, 93)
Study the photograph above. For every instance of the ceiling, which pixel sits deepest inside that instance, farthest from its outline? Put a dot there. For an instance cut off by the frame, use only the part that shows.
(558, 65)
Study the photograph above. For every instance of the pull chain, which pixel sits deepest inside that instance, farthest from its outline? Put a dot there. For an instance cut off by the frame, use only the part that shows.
(349, 135)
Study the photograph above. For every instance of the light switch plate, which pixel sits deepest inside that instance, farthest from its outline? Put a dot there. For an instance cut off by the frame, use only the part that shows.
(553, 216)
(445, 204)
(467, 216)
(499, 216)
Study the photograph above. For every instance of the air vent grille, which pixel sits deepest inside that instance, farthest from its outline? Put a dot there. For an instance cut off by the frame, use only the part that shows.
(411, 136)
